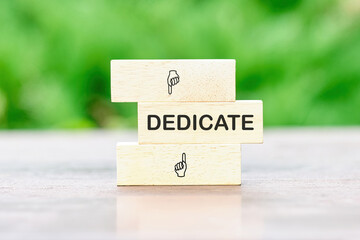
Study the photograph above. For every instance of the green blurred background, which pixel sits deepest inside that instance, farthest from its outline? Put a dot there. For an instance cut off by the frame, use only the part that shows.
(302, 58)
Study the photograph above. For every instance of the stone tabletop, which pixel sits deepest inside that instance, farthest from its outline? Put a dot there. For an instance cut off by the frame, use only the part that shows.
(302, 183)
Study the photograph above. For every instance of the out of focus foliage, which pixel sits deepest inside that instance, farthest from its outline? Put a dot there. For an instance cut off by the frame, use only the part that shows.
(302, 58)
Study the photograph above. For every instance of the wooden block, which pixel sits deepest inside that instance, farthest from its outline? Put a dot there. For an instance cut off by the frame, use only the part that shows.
(225, 122)
(206, 80)
(183, 164)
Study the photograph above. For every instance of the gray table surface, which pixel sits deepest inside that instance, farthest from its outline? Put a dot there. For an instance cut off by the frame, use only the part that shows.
(302, 183)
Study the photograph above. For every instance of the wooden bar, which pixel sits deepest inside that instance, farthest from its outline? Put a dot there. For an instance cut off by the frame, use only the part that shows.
(183, 164)
(222, 122)
(202, 80)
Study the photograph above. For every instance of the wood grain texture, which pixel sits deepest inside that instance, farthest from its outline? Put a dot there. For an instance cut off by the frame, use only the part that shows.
(220, 135)
(155, 164)
(202, 80)
(302, 183)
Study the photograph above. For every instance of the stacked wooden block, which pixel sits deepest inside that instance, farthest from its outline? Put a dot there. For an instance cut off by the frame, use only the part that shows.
(189, 125)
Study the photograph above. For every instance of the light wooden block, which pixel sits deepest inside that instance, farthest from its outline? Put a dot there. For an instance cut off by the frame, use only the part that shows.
(206, 80)
(248, 128)
(183, 164)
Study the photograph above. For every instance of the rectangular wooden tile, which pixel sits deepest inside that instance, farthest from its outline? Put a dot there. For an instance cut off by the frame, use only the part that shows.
(183, 164)
(222, 122)
(202, 80)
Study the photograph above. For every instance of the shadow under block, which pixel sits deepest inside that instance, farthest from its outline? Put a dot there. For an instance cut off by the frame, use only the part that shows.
(183, 164)
(206, 80)
(181, 123)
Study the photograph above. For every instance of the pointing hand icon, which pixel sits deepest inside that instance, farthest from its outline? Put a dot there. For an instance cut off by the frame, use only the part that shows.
(172, 80)
(180, 167)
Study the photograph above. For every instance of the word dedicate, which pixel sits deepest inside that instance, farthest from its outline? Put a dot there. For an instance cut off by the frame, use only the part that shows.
(200, 122)
(204, 122)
